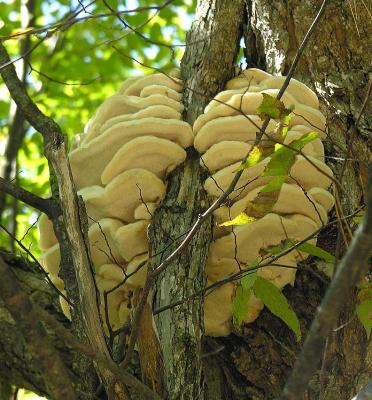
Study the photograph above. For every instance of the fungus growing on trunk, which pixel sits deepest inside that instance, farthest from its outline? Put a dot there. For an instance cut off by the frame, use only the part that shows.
(224, 135)
(137, 137)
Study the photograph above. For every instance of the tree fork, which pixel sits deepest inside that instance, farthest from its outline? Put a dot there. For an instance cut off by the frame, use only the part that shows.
(213, 44)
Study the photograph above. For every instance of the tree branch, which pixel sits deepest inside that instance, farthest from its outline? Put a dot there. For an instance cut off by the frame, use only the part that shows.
(47, 206)
(17, 125)
(69, 339)
(74, 247)
(350, 271)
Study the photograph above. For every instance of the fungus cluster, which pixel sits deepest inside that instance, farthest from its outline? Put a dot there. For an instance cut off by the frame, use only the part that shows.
(223, 135)
(134, 140)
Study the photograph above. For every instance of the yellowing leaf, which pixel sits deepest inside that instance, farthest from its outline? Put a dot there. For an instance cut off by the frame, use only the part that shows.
(358, 217)
(254, 157)
(241, 219)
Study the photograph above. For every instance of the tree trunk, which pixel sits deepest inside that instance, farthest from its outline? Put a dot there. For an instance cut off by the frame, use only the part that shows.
(254, 363)
(337, 65)
(16, 364)
(207, 64)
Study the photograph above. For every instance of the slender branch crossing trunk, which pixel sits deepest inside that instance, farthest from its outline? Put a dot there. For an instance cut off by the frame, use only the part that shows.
(208, 63)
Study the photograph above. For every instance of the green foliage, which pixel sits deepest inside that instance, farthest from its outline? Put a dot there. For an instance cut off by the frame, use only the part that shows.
(316, 252)
(270, 295)
(304, 247)
(364, 312)
(282, 160)
(256, 155)
(273, 108)
(242, 294)
(364, 308)
(284, 156)
(277, 303)
(239, 304)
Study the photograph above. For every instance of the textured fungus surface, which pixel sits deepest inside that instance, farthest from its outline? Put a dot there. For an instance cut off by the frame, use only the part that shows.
(223, 135)
(137, 137)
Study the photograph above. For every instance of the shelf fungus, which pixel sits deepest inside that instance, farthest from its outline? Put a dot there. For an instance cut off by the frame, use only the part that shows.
(295, 208)
(137, 138)
(133, 142)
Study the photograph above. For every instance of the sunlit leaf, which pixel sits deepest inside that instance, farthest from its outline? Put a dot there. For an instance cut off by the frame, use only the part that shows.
(364, 312)
(279, 166)
(280, 162)
(241, 219)
(283, 158)
(277, 303)
(255, 156)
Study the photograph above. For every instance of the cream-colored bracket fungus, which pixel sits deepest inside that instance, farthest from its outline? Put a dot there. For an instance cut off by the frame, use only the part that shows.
(223, 136)
(136, 138)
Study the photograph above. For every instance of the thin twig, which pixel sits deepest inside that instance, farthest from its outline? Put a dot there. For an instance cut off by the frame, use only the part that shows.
(35, 260)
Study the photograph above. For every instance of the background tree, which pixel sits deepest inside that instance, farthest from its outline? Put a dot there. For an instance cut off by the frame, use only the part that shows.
(76, 55)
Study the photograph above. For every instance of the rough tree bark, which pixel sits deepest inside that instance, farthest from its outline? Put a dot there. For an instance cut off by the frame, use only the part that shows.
(337, 65)
(207, 64)
(255, 363)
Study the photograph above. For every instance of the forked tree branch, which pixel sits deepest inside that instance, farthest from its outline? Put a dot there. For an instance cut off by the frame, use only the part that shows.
(47, 206)
(73, 215)
(203, 217)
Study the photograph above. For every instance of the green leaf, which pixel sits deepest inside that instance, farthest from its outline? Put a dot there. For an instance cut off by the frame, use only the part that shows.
(275, 184)
(304, 247)
(364, 312)
(277, 303)
(271, 107)
(239, 305)
(241, 297)
(249, 279)
(316, 251)
(241, 219)
(284, 157)
(280, 162)
(305, 139)
(274, 250)
(358, 217)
